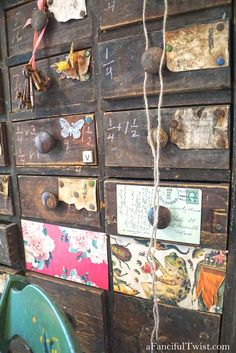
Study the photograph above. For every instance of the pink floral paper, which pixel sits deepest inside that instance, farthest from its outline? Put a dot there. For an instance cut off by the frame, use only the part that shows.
(73, 254)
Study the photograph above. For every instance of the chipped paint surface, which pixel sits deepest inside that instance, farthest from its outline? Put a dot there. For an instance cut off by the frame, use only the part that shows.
(200, 128)
(198, 47)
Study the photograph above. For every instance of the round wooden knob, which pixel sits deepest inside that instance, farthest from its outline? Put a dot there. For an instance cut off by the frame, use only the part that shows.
(163, 137)
(38, 19)
(151, 59)
(49, 200)
(164, 217)
(44, 142)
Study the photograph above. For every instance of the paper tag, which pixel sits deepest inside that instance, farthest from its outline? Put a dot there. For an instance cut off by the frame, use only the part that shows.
(65, 10)
(134, 201)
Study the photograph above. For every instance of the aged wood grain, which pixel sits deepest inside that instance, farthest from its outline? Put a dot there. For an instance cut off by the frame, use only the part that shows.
(20, 40)
(9, 244)
(126, 145)
(133, 323)
(121, 13)
(3, 144)
(122, 74)
(215, 200)
(31, 189)
(83, 306)
(67, 151)
(65, 92)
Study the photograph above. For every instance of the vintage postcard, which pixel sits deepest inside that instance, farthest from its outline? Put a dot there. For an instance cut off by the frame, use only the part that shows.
(134, 203)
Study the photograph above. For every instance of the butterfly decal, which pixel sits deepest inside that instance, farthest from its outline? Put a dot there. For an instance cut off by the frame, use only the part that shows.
(71, 130)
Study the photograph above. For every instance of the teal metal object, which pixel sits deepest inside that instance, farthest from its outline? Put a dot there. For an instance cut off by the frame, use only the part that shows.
(28, 312)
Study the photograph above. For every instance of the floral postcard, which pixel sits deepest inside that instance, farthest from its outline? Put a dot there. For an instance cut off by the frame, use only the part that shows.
(73, 254)
(187, 277)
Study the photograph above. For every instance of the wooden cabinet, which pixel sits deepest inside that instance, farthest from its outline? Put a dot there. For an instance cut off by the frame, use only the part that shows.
(40, 198)
(195, 138)
(68, 141)
(214, 214)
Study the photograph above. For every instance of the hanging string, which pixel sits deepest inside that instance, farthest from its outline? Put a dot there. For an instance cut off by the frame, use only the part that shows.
(150, 255)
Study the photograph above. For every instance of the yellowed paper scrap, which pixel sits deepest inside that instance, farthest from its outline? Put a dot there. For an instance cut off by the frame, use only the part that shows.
(198, 47)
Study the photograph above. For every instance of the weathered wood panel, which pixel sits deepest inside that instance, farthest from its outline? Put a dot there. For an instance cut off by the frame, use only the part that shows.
(133, 323)
(57, 34)
(122, 74)
(6, 207)
(31, 190)
(3, 145)
(121, 13)
(65, 150)
(214, 217)
(82, 305)
(66, 92)
(126, 142)
(9, 244)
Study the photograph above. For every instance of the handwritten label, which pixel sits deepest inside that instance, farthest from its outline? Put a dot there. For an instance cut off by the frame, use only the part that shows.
(108, 65)
(126, 128)
(134, 202)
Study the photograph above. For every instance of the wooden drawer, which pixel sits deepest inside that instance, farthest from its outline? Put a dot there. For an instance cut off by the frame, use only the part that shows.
(122, 13)
(176, 325)
(61, 93)
(3, 145)
(212, 223)
(122, 74)
(126, 142)
(9, 244)
(6, 207)
(57, 34)
(40, 142)
(82, 305)
(186, 277)
(40, 198)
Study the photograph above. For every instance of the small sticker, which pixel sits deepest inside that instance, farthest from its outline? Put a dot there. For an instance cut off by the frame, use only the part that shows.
(88, 156)
(71, 130)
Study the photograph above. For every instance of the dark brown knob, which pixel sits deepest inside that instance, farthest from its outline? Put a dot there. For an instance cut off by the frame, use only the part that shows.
(38, 19)
(162, 135)
(44, 142)
(164, 217)
(151, 59)
(49, 200)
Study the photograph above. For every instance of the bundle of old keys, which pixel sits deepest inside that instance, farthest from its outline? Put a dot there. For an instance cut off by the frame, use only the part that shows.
(34, 80)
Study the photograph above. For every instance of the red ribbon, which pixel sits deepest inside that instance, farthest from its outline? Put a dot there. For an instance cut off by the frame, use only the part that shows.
(37, 38)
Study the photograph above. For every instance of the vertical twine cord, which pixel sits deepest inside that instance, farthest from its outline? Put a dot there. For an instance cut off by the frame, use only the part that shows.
(150, 255)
